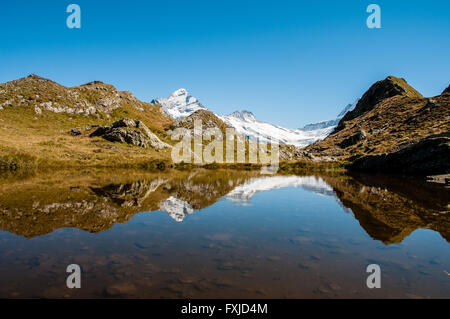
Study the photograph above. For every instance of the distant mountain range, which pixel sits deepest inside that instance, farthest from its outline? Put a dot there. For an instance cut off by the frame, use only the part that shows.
(181, 104)
(330, 123)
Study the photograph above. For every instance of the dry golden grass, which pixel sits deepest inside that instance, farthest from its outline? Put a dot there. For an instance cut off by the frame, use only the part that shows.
(28, 140)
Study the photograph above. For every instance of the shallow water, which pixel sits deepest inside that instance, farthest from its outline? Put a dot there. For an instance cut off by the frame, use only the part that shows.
(219, 234)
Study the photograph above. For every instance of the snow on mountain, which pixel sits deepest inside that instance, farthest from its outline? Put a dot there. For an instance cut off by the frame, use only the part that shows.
(179, 104)
(330, 124)
(245, 123)
(243, 193)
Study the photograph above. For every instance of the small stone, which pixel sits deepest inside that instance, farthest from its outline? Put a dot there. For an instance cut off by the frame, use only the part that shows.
(75, 132)
(37, 110)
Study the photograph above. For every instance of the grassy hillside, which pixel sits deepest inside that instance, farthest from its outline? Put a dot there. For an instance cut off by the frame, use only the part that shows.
(37, 115)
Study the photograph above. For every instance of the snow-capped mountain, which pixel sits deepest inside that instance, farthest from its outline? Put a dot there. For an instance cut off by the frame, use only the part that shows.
(330, 124)
(180, 104)
(245, 123)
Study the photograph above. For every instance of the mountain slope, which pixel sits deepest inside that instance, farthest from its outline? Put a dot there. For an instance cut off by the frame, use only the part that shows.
(207, 118)
(45, 123)
(390, 118)
(246, 124)
(381, 90)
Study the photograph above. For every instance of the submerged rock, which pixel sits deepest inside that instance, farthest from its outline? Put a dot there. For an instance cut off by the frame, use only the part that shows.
(132, 132)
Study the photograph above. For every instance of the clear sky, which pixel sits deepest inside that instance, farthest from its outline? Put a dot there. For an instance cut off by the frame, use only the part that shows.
(290, 62)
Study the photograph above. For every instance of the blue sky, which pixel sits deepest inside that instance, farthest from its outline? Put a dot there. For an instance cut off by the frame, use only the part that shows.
(290, 62)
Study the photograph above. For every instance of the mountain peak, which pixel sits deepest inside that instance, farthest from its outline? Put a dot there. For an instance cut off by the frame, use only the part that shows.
(34, 77)
(180, 92)
(179, 104)
(93, 83)
(381, 90)
(244, 115)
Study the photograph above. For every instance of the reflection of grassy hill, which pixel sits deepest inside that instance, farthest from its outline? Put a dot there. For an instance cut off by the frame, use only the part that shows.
(388, 209)
(95, 200)
(203, 188)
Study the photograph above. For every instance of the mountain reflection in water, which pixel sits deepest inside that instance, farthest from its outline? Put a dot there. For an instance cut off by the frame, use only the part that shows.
(387, 208)
(43, 207)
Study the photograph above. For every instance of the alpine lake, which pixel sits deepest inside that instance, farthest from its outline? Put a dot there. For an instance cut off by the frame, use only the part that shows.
(222, 234)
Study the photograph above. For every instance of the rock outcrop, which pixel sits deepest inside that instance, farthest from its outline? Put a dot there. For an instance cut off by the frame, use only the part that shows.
(132, 132)
(352, 140)
(428, 156)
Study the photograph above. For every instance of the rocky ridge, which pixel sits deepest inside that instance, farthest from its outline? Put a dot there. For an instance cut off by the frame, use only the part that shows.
(391, 127)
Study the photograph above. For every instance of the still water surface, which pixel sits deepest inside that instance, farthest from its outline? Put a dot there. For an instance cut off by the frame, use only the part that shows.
(219, 234)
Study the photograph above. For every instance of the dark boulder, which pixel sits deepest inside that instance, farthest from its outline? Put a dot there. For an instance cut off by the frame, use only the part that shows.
(75, 132)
